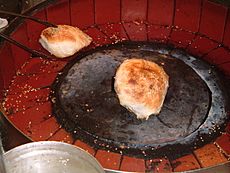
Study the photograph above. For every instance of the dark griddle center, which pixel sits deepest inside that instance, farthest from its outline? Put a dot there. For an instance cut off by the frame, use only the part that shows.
(88, 97)
(88, 107)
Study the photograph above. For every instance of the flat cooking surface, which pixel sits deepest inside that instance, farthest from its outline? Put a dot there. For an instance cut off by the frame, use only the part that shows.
(88, 104)
(87, 96)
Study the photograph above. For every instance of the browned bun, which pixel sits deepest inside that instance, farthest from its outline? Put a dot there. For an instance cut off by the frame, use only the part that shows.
(64, 40)
(141, 86)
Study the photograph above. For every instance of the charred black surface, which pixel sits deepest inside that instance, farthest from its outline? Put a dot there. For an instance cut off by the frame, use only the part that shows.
(87, 105)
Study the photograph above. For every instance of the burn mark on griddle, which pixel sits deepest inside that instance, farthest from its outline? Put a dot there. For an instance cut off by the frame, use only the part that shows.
(191, 117)
(167, 125)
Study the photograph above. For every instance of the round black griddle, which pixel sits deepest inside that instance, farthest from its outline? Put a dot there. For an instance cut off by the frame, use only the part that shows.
(86, 104)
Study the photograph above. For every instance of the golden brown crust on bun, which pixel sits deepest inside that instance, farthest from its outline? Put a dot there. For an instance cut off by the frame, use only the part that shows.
(64, 40)
(141, 86)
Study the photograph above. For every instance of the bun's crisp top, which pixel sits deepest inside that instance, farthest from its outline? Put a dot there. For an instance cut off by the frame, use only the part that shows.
(64, 40)
(141, 84)
(63, 33)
